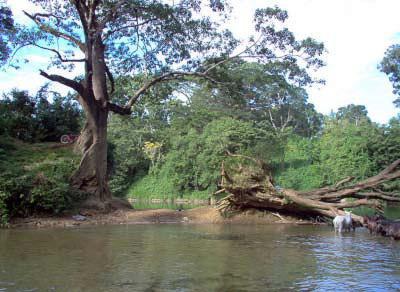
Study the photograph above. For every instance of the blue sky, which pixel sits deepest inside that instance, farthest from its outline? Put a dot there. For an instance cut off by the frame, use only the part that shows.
(356, 34)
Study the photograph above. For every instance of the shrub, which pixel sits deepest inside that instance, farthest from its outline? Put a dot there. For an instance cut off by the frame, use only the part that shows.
(35, 179)
(24, 193)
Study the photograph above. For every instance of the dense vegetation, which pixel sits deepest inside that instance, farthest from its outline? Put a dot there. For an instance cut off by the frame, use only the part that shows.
(44, 117)
(183, 142)
(34, 178)
(169, 131)
(174, 146)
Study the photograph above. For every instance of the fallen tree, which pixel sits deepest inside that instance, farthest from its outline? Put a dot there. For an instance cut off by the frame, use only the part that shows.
(248, 183)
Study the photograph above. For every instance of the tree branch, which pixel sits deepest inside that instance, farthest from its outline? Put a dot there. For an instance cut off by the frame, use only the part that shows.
(47, 15)
(111, 78)
(59, 54)
(391, 167)
(78, 87)
(176, 75)
(388, 173)
(343, 181)
(373, 195)
(55, 32)
(136, 25)
(118, 109)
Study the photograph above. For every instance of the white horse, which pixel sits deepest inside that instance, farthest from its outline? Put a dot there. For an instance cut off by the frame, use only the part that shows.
(341, 222)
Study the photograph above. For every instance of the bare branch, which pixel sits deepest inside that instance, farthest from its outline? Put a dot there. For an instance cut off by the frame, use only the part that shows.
(59, 54)
(47, 15)
(288, 120)
(362, 202)
(377, 195)
(272, 120)
(232, 57)
(55, 32)
(136, 25)
(78, 87)
(343, 181)
(391, 167)
(176, 75)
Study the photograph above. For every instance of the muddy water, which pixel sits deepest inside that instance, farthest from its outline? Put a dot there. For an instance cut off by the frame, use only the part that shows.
(197, 258)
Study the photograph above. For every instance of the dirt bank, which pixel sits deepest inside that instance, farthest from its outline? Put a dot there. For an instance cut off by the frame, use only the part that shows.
(202, 215)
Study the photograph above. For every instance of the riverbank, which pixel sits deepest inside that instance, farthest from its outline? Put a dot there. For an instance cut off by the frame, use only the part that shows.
(201, 215)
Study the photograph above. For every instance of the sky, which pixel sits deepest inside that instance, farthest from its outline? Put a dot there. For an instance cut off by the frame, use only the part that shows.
(356, 34)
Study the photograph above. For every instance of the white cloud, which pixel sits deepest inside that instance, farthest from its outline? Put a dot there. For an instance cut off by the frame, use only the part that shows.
(356, 34)
(17, 7)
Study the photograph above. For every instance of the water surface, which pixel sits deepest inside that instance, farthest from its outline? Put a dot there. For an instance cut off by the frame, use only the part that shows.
(197, 258)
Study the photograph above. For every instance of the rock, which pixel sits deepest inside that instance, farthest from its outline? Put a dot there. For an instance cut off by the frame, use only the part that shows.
(79, 218)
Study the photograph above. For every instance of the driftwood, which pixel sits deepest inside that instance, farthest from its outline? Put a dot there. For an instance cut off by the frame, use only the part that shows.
(252, 186)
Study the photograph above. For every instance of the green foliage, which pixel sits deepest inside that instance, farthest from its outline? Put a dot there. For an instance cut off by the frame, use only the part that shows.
(191, 165)
(344, 151)
(17, 115)
(301, 168)
(355, 114)
(153, 186)
(385, 147)
(7, 30)
(35, 179)
(54, 119)
(128, 135)
(33, 119)
(162, 41)
(194, 160)
(156, 186)
(301, 178)
(391, 66)
(260, 93)
(346, 147)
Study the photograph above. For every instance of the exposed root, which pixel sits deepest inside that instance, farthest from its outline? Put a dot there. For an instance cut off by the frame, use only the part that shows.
(251, 186)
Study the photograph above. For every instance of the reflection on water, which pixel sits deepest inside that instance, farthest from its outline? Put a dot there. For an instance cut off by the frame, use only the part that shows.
(196, 258)
(146, 204)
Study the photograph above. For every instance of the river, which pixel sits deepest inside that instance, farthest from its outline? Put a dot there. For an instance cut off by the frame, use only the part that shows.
(197, 258)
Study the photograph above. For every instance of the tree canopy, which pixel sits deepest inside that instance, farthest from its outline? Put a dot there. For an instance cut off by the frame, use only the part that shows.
(7, 30)
(390, 65)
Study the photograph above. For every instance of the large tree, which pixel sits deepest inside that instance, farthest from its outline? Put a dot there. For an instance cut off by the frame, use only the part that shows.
(390, 65)
(354, 114)
(163, 40)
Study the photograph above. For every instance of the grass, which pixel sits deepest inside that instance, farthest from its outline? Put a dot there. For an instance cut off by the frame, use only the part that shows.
(33, 157)
(155, 187)
(34, 178)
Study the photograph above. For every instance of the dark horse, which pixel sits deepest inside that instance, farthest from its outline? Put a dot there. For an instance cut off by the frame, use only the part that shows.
(380, 225)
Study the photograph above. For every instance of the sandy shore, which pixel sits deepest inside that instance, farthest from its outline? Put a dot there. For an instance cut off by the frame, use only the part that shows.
(202, 215)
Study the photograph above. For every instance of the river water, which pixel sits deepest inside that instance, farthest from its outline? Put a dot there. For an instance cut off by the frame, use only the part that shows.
(197, 258)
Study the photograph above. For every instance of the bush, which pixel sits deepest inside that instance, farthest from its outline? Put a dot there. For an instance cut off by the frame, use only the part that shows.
(153, 186)
(35, 179)
(156, 186)
(47, 191)
(302, 178)
(33, 119)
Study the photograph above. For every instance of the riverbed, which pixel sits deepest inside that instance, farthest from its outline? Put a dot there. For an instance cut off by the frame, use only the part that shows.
(207, 257)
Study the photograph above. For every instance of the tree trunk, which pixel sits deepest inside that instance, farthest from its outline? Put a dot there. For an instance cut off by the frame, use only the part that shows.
(252, 187)
(91, 176)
